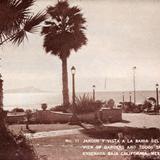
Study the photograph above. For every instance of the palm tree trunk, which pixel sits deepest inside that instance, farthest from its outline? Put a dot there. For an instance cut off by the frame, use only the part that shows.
(65, 82)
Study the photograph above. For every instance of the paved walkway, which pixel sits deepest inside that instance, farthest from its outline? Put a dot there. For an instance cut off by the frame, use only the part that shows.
(138, 120)
(53, 133)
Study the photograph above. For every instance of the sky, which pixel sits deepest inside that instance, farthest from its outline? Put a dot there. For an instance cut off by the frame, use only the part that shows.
(121, 34)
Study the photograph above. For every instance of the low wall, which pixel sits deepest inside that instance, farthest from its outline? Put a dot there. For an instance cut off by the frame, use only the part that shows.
(87, 117)
(52, 117)
(106, 115)
(111, 115)
(15, 117)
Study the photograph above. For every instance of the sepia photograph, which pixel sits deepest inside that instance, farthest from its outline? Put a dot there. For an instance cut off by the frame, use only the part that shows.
(79, 79)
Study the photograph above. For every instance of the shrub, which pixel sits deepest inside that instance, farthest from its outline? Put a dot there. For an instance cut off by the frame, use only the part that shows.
(44, 106)
(129, 107)
(61, 108)
(15, 146)
(85, 104)
(28, 117)
(17, 110)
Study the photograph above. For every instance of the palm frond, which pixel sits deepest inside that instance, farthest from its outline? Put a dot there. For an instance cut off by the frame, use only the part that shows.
(59, 9)
(19, 37)
(74, 10)
(8, 18)
(16, 20)
(25, 4)
(12, 14)
(32, 23)
(22, 7)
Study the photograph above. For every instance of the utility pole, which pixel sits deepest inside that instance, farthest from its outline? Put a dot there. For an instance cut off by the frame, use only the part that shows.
(134, 84)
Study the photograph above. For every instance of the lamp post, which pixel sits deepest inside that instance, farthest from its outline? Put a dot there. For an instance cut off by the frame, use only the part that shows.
(157, 96)
(74, 119)
(123, 97)
(94, 92)
(1, 92)
(130, 97)
(73, 71)
(134, 84)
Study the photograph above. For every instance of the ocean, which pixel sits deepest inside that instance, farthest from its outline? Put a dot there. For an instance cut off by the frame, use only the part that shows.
(34, 100)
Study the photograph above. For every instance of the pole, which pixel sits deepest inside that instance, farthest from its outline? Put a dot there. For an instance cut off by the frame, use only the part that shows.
(130, 97)
(157, 96)
(105, 83)
(123, 97)
(1, 92)
(73, 89)
(94, 93)
(134, 84)
(74, 119)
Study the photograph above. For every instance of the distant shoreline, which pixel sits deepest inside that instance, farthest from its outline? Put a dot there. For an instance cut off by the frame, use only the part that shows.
(35, 99)
(78, 92)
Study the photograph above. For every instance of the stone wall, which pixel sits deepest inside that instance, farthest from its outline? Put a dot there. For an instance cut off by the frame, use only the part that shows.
(87, 117)
(52, 117)
(111, 115)
(106, 115)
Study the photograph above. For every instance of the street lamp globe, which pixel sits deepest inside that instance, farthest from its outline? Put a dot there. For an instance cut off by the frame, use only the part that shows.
(134, 67)
(93, 86)
(73, 70)
(157, 85)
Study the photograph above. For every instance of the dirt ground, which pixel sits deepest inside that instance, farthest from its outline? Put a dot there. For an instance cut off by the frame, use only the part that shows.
(68, 148)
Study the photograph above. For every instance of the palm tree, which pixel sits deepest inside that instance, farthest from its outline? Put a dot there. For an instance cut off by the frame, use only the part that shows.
(64, 32)
(16, 19)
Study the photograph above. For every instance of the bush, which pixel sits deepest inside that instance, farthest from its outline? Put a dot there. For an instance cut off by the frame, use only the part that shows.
(44, 106)
(61, 108)
(15, 147)
(17, 110)
(85, 104)
(129, 107)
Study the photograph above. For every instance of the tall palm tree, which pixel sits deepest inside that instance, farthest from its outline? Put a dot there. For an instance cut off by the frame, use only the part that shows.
(16, 19)
(64, 32)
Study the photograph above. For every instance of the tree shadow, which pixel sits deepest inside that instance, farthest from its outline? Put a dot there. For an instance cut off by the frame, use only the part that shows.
(110, 132)
(124, 121)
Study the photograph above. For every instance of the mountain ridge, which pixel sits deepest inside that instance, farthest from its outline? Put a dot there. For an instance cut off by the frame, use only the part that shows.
(25, 90)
